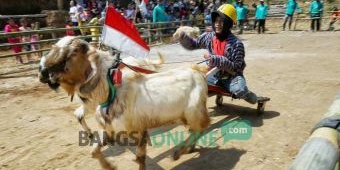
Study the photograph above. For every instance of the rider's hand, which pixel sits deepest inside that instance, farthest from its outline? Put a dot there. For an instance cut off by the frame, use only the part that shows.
(206, 56)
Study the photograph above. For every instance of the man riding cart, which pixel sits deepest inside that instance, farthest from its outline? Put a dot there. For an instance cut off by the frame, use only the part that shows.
(226, 56)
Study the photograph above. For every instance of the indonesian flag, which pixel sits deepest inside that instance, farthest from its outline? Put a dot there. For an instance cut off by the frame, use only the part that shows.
(122, 35)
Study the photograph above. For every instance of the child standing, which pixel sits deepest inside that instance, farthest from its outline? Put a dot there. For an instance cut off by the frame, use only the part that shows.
(26, 38)
(95, 22)
(69, 25)
(12, 27)
(34, 39)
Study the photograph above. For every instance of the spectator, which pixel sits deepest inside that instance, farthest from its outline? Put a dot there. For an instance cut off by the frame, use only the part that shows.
(130, 13)
(261, 14)
(26, 38)
(148, 15)
(69, 25)
(95, 31)
(82, 17)
(291, 6)
(80, 3)
(255, 20)
(241, 15)
(183, 13)
(92, 5)
(12, 27)
(207, 17)
(335, 16)
(138, 16)
(315, 9)
(72, 12)
(159, 14)
(35, 38)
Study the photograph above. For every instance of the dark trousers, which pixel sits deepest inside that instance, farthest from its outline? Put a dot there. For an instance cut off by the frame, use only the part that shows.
(290, 18)
(261, 28)
(77, 31)
(255, 23)
(241, 25)
(315, 21)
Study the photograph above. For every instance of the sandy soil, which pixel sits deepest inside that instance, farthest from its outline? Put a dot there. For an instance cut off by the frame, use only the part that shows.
(299, 71)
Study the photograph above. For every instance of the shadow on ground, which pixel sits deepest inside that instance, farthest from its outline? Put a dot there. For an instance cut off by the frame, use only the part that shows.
(212, 158)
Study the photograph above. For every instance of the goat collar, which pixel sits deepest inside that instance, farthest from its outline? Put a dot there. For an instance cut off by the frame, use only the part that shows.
(112, 92)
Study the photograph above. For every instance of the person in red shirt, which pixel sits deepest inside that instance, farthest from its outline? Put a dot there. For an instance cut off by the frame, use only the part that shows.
(69, 25)
(13, 27)
(335, 16)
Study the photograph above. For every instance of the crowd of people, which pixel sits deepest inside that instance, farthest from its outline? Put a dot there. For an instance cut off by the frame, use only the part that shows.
(30, 40)
(92, 13)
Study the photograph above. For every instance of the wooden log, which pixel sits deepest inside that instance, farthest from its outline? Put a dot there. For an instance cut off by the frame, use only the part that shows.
(321, 151)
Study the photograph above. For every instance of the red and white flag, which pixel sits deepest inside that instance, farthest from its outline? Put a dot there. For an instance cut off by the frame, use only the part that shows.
(122, 35)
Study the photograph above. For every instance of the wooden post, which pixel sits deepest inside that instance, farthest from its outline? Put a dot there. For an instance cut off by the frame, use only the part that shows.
(60, 4)
(54, 35)
(149, 32)
(321, 151)
(295, 23)
(160, 33)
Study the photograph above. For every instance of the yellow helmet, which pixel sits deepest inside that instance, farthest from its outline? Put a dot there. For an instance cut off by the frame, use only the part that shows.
(228, 10)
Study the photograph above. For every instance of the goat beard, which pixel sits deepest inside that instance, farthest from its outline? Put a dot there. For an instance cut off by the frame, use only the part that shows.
(53, 86)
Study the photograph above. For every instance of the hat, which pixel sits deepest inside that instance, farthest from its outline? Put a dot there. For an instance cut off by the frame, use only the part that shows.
(226, 10)
(261, 0)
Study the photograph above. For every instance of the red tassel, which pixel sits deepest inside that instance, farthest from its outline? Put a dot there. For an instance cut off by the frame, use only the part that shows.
(117, 78)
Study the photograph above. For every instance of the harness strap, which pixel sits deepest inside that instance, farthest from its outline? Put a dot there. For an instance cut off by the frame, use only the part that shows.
(112, 92)
(138, 69)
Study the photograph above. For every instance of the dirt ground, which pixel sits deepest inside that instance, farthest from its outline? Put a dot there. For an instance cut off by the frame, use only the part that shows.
(299, 71)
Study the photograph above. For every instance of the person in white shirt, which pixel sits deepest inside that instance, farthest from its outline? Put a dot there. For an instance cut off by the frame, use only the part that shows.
(73, 11)
(26, 38)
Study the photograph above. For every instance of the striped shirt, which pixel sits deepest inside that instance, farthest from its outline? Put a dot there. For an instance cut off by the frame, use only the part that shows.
(233, 59)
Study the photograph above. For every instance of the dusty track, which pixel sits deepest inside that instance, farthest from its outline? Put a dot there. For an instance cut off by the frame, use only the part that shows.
(298, 70)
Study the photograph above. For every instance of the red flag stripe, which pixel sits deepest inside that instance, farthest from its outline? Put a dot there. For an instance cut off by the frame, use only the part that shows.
(116, 21)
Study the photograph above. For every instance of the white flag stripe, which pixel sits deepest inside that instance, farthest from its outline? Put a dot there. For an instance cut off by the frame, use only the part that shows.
(122, 42)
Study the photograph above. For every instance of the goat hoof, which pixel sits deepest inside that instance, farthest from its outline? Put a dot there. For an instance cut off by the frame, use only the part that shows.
(176, 155)
(192, 149)
(142, 168)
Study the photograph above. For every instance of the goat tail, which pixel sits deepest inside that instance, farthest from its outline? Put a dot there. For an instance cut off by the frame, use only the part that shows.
(200, 68)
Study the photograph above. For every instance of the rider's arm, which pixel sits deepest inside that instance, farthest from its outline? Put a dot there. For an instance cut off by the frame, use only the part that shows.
(191, 44)
(223, 63)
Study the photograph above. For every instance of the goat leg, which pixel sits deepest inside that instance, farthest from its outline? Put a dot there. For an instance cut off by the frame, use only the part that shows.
(97, 153)
(188, 146)
(80, 115)
(141, 150)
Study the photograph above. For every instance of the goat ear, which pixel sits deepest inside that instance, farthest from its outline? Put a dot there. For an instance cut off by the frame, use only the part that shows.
(83, 47)
(80, 46)
(95, 75)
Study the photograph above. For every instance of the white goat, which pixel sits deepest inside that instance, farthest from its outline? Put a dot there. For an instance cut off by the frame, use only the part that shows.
(89, 106)
(142, 101)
